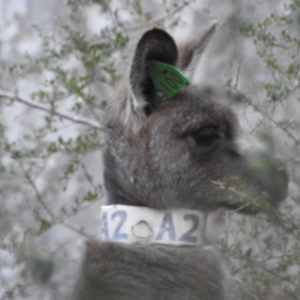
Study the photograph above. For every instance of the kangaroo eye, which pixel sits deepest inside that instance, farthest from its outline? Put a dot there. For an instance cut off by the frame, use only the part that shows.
(206, 135)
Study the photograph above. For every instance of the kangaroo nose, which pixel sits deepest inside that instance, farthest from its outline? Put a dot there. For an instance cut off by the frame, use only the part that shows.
(270, 175)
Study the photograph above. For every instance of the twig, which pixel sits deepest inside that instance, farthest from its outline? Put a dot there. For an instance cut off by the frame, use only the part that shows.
(273, 272)
(37, 193)
(238, 74)
(63, 115)
(79, 231)
(267, 116)
(160, 19)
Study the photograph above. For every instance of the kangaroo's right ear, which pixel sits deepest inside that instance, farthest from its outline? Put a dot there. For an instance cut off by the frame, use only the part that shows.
(155, 44)
(190, 52)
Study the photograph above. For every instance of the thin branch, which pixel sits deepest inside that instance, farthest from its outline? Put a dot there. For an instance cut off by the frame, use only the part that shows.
(266, 116)
(37, 193)
(63, 115)
(160, 19)
(273, 272)
(79, 231)
(238, 74)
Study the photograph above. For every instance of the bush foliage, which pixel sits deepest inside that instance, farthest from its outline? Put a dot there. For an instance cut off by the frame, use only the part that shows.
(52, 107)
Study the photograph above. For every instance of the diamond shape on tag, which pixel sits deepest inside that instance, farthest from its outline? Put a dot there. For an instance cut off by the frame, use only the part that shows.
(142, 231)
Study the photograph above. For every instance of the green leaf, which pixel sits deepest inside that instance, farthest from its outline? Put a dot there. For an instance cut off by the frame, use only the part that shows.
(90, 196)
(248, 253)
(44, 225)
(138, 7)
(122, 40)
(52, 148)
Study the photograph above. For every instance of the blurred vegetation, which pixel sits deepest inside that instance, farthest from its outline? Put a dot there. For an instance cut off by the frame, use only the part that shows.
(49, 160)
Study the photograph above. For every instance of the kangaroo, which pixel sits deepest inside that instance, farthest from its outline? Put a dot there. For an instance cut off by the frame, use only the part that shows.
(178, 153)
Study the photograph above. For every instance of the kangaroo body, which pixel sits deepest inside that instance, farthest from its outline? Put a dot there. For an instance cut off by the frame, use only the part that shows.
(171, 153)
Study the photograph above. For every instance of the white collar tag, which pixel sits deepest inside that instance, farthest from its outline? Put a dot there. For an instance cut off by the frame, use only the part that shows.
(134, 224)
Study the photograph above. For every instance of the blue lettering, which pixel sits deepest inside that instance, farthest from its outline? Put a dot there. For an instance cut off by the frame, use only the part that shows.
(117, 235)
(104, 229)
(187, 237)
(167, 226)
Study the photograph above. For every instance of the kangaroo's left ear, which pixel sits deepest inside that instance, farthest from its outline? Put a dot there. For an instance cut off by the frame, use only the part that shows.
(190, 52)
(158, 45)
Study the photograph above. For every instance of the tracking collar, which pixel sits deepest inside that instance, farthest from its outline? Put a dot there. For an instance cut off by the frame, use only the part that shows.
(134, 224)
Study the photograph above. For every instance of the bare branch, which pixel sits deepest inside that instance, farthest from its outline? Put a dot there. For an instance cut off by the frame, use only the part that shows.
(36, 191)
(157, 21)
(79, 231)
(63, 115)
(248, 101)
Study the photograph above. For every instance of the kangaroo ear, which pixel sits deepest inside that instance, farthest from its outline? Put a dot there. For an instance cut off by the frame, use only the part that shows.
(155, 44)
(191, 51)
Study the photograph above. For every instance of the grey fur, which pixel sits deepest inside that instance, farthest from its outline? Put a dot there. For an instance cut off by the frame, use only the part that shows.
(172, 153)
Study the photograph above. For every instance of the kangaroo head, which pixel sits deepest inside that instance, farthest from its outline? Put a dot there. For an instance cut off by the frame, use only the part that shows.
(180, 152)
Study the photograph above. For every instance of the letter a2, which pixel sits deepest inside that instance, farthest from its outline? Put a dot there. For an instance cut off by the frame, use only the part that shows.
(167, 226)
(104, 226)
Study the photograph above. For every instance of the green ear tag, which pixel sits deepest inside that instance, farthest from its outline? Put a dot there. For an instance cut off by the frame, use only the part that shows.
(167, 78)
